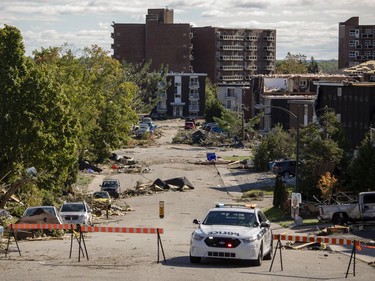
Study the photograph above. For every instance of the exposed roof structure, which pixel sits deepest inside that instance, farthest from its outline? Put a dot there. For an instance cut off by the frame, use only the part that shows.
(366, 67)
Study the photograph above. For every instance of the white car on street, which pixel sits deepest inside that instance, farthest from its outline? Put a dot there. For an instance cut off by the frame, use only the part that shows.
(76, 213)
(232, 231)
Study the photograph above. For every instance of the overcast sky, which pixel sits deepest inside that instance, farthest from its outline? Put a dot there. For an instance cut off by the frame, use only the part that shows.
(308, 27)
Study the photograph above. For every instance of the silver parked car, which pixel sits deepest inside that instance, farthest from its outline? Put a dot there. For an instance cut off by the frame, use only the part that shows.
(76, 213)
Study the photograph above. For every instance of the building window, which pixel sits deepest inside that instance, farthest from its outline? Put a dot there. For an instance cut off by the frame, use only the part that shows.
(368, 31)
(339, 92)
(353, 54)
(354, 32)
(353, 43)
(231, 93)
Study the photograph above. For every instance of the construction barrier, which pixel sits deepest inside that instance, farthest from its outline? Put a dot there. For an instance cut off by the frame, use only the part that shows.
(78, 230)
(320, 239)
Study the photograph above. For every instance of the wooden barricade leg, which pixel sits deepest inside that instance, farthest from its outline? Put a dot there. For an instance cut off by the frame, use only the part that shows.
(278, 246)
(81, 241)
(161, 246)
(11, 231)
(352, 256)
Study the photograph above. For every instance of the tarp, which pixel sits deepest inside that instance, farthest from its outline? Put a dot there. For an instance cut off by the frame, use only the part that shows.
(180, 183)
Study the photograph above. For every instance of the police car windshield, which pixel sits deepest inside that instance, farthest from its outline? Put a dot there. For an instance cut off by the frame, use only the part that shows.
(230, 218)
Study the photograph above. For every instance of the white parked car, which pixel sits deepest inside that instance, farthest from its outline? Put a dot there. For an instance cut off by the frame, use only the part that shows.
(76, 213)
(232, 231)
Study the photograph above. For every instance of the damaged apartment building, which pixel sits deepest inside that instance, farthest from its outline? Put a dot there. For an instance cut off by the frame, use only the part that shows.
(295, 93)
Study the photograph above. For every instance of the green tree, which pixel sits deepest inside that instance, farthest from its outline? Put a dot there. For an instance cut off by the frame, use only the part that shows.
(292, 64)
(214, 108)
(320, 151)
(313, 66)
(102, 99)
(139, 74)
(362, 166)
(37, 127)
(276, 144)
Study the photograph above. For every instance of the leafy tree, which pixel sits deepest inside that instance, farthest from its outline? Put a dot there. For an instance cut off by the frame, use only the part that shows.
(328, 66)
(320, 151)
(362, 167)
(37, 127)
(139, 74)
(292, 64)
(327, 184)
(276, 144)
(214, 108)
(313, 66)
(101, 98)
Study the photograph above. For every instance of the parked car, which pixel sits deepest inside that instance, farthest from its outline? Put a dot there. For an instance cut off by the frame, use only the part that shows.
(102, 198)
(47, 214)
(142, 129)
(284, 167)
(189, 125)
(76, 213)
(112, 186)
(216, 129)
(38, 215)
(207, 126)
(232, 231)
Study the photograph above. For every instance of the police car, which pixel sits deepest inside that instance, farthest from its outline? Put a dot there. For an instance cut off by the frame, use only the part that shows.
(232, 231)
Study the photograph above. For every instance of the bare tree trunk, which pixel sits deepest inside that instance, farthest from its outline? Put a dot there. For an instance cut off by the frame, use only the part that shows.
(13, 189)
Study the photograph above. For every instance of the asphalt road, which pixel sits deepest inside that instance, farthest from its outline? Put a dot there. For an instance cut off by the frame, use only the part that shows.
(120, 256)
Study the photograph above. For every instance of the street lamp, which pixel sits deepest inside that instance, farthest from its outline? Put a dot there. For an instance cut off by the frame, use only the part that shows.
(262, 106)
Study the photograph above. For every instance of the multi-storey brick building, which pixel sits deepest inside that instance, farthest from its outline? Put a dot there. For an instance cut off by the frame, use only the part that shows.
(227, 55)
(356, 43)
(159, 40)
(230, 55)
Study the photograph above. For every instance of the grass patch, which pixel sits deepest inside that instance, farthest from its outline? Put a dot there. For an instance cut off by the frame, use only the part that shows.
(236, 158)
(283, 218)
(83, 179)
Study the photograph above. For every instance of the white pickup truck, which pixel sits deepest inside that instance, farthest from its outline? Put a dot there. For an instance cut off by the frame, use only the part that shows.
(363, 209)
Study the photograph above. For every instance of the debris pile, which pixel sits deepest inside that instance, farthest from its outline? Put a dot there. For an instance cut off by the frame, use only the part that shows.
(174, 184)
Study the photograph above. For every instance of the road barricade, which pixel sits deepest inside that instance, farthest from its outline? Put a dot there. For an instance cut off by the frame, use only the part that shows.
(320, 239)
(77, 233)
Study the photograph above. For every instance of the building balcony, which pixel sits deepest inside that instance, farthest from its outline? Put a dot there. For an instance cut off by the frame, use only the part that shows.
(231, 78)
(194, 96)
(251, 58)
(194, 85)
(251, 38)
(269, 58)
(251, 67)
(231, 58)
(231, 47)
(231, 37)
(193, 108)
(269, 48)
(251, 48)
(270, 67)
(162, 96)
(231, 67)
(270, 38)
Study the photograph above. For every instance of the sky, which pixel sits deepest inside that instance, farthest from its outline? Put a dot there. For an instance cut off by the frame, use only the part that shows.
(308, 27)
